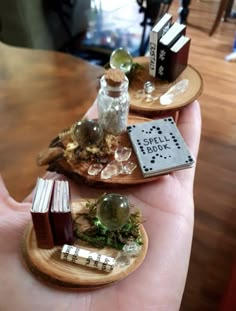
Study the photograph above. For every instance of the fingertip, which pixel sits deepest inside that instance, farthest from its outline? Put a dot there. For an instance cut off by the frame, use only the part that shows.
(92, 113)
(3, 189)
(189, 124)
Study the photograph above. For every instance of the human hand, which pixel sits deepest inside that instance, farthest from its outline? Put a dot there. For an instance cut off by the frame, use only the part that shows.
(168, 209)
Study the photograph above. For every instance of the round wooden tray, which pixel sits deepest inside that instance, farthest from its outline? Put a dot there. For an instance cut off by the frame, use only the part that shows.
(79, 171)
(139, 105)
(47, 265)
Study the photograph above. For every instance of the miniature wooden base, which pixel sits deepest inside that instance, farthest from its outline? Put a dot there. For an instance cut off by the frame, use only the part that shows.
(79, 172)
(140, 106)
(47, 265)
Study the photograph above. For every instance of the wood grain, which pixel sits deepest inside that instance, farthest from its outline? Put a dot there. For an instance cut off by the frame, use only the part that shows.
(47, 265)
(43, 92)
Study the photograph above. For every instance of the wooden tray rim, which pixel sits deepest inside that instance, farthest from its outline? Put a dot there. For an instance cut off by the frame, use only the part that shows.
(105, 278)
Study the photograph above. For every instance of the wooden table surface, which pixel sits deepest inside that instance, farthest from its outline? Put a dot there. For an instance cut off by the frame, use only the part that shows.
(44, 92)
(40, 94)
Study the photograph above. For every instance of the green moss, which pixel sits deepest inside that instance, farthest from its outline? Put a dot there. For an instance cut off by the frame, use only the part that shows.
(96, 234)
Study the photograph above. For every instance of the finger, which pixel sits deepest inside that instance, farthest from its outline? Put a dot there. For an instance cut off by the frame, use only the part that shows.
(6, 201)
(3, 190)
(92, 113)
(189, 125)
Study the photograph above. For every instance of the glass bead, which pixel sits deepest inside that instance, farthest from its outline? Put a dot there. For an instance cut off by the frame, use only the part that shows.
(122, 153)
(121, 59)
(148, 87)
(87, 132)
(95, 169)
(113, 211)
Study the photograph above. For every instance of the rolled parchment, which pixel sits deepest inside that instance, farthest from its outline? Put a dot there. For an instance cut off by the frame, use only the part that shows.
(84, 257)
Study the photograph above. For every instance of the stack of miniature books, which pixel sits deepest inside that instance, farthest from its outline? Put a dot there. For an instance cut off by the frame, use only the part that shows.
(51, 213)
(169, 49)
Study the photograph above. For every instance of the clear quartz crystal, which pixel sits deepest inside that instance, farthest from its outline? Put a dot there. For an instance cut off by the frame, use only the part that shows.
(131, 249)
(118, 165)
(113, 168)
(122, 260)
(122, 153)
(178, 88)
(128, 168)
(108, 172)
(95, 169)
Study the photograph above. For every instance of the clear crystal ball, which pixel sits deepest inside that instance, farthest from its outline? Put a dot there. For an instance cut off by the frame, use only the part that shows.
(121, 58)
(87, 132)
(113, 211)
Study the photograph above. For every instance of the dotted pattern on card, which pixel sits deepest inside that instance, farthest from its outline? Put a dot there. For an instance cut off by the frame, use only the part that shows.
(159, 147)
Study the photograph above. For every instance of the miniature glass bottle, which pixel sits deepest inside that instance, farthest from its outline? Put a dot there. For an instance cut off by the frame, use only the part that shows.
(113, 102)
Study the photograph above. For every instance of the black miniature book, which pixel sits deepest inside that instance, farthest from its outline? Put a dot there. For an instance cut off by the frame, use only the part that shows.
(163, 51)
(40, 213)
(159, 147)
(61, 218)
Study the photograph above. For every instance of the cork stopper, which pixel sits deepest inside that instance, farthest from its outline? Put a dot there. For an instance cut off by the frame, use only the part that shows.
(114, 77)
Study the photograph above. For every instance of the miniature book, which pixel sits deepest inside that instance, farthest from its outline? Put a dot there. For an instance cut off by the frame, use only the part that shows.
(163, 51)
(40, 213)
(159, 147)
(156, 33)
(61, 218)
(178, 58)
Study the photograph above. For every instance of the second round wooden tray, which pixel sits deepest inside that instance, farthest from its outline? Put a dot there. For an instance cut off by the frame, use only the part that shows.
(139, 105)
(79, 172)
(46, 264)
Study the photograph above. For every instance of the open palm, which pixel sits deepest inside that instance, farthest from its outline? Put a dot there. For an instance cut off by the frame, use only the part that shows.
(168, 209)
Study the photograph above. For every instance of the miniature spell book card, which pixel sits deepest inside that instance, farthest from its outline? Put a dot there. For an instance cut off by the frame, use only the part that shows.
(159, 147)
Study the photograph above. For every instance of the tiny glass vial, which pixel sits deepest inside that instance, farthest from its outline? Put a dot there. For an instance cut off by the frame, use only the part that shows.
(113, 102)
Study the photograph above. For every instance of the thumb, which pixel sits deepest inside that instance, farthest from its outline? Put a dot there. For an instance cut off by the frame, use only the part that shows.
(6, 201)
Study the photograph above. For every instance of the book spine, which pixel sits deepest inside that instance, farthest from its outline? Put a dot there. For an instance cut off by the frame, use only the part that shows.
(178, 62)
(153, 44)
(162, 61)
(43, 230)
(163, 57)
(62, 226)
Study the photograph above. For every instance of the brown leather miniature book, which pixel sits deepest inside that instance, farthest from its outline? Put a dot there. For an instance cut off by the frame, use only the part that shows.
(60, 214)
(40, 213)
